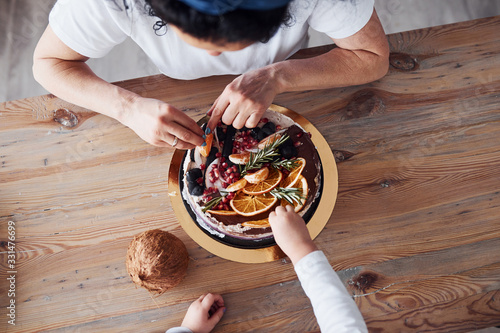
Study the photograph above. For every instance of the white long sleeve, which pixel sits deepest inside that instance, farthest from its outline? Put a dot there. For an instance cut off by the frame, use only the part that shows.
(179, 330)
(333, 307)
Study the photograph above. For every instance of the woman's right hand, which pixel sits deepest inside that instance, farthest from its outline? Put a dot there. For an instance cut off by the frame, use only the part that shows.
(158, 123)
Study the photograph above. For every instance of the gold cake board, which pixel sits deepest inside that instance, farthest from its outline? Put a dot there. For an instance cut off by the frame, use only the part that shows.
(271, 253)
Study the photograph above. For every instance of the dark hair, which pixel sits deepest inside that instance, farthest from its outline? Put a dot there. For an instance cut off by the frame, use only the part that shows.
(240, 25)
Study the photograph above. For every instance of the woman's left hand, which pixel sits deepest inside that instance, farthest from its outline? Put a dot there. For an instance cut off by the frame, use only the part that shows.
(244, 101)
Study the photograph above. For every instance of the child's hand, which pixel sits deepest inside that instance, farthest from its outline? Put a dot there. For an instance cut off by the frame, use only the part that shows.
(204, 313)
(290, 233)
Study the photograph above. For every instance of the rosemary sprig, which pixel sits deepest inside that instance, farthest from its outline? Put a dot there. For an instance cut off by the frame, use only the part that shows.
(285, 164)
(265, 155)
(212, 203)
(290, 194)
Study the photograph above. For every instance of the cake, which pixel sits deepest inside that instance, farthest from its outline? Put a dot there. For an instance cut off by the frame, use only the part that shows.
(232, 182)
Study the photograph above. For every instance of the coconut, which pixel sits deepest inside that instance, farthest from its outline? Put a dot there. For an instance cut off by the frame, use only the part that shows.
(157, 260)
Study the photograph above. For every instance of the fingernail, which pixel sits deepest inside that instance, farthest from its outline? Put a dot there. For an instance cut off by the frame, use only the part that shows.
(207, 130)
(204, 136)
(203, 144)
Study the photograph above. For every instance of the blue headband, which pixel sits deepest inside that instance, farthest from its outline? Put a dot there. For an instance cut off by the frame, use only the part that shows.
(219, 7)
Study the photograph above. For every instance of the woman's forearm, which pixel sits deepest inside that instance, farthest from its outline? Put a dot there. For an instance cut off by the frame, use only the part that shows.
(75, 82)
(337, 68)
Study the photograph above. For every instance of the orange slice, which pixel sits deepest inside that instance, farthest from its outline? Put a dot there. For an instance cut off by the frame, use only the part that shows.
(205, 150)
(257, 224)
(294, 174)
(238, 185)
(251, 205)
(257, 176)
(242, 158)
(301, 184)
(269, 140)
(222, 212)
(272, 180)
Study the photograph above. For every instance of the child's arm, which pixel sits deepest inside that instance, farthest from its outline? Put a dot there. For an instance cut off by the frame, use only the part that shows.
(333, 307)
(202, 315)
(291, 234)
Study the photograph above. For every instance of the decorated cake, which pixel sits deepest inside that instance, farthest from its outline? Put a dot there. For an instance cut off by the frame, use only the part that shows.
(232, 182)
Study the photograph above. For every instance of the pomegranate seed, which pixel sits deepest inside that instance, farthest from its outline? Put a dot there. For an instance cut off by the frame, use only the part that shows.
(299, 135)
(224, 165)
(224, 184)
(212, 180)
(309, 133)
(218, 155)
(235, 150)
(296, 144)
(223, 159)
(199, 180)
(203, 166)
(264, 120)
(226, 207)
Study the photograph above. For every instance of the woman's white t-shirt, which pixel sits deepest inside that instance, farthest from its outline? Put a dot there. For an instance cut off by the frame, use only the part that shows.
(93, 27)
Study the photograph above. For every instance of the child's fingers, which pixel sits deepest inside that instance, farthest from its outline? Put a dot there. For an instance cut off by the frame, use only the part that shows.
(210, 299)
(217, 316)
(220, 302)
(280, 210)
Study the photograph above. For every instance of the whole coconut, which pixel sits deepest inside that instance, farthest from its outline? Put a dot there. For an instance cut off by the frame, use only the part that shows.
(157, 260)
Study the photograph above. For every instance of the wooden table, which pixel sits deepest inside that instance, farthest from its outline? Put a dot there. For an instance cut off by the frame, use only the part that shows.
(415, 234)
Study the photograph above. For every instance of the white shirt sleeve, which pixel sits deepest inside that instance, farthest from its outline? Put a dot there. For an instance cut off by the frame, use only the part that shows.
(89, 27)
(333, 307)
(340, 19)
(179, 330)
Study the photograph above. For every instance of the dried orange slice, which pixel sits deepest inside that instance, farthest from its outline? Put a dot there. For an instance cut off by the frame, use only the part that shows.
(301, 184)
(205, 150)
(257, 176)
(251, 205)
(238, 185)
(222, 212)
(294, 174)
(269, 140)
(257, 224)
(242, 158)
(272, 180)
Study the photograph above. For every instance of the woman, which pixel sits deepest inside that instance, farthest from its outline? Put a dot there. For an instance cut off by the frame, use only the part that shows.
(187, 39)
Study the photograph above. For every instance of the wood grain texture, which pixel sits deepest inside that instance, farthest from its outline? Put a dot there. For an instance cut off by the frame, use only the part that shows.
(414, 236)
